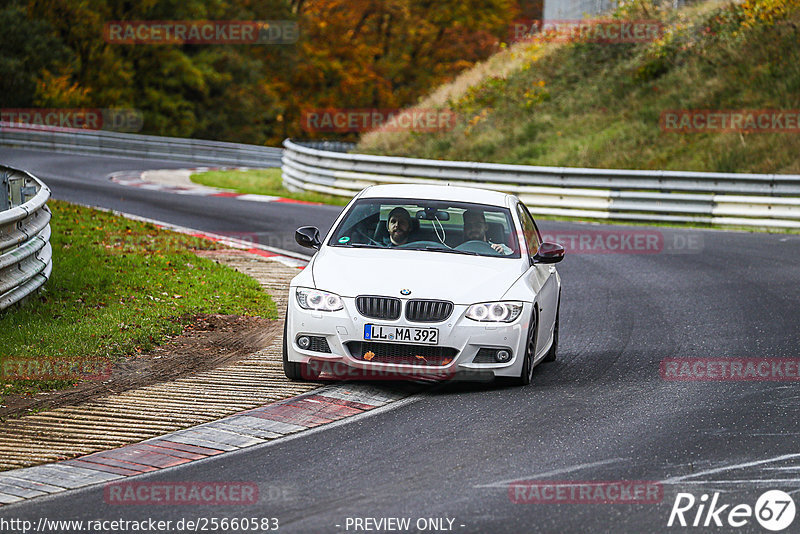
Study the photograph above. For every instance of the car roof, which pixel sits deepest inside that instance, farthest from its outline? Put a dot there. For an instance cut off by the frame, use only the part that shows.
(438, 192)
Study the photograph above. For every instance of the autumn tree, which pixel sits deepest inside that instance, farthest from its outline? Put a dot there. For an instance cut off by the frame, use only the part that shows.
(351, 53)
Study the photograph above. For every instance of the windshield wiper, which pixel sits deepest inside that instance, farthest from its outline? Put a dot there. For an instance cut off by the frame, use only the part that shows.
(451, 250)
(363, 245)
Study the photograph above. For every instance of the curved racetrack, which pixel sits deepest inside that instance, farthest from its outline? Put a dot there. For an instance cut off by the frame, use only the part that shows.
(602, 412)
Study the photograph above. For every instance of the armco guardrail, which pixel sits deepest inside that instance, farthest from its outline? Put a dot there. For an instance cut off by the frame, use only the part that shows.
(105, 143)
(26, 258)
(758, 200)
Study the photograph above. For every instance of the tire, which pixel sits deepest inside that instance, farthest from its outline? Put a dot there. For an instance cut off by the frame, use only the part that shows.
(551, 354)
(295, 370)
(526, 374)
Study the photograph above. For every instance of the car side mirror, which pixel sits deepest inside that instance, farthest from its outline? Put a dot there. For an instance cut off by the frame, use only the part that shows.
(308, 236)
(549, 253)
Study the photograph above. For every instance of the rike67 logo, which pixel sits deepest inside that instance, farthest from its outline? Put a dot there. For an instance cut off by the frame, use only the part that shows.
(774, 510)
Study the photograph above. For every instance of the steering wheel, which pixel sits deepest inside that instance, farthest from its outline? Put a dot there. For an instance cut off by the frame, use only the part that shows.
(476, 245)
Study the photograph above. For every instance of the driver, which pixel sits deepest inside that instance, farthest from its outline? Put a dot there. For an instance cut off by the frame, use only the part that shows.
(399, 226)
(476, 227)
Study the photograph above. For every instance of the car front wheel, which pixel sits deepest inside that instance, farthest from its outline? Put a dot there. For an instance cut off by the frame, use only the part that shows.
(526, 374)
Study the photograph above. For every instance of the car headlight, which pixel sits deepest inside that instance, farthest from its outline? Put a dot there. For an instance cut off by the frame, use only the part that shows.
(314, 299)
(495, 312)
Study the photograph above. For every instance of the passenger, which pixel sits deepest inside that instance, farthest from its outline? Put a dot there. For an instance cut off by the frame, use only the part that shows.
(476, 227)
(399, 226)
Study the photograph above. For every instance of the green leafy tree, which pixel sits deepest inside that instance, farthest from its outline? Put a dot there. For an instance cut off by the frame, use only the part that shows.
(28, 48)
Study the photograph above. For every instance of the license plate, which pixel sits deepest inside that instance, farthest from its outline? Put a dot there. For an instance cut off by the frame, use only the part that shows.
(401, 334)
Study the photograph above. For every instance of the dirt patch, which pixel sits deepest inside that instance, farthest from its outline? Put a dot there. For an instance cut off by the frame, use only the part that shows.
(210, 341)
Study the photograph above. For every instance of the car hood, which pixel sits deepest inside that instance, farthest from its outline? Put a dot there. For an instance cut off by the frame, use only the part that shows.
(461, 279)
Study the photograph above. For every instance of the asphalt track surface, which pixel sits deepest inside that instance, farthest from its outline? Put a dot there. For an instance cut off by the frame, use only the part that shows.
(602, 412)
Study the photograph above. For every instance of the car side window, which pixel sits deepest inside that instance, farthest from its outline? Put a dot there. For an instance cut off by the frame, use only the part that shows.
(529, 229)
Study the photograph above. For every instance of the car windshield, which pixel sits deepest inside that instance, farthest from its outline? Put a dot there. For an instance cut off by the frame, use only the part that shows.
(428, 225)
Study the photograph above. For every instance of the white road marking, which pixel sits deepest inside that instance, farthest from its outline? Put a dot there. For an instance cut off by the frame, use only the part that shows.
(504, 483)
(673, 480)
(257, 198)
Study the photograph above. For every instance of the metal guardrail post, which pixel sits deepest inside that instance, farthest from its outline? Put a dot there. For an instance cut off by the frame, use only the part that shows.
(28, 192)
(4, 193)
(15, 191)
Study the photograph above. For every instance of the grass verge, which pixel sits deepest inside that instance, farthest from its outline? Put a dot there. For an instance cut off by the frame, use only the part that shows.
(119, 287)
(600, 105)
(261, 182)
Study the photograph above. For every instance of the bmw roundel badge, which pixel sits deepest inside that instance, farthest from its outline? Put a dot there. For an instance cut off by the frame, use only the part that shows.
(405, 291)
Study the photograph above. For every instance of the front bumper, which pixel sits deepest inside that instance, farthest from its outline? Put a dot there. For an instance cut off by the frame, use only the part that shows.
(460, 340)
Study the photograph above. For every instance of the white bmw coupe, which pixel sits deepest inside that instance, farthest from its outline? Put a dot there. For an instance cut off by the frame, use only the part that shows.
(425, 282)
